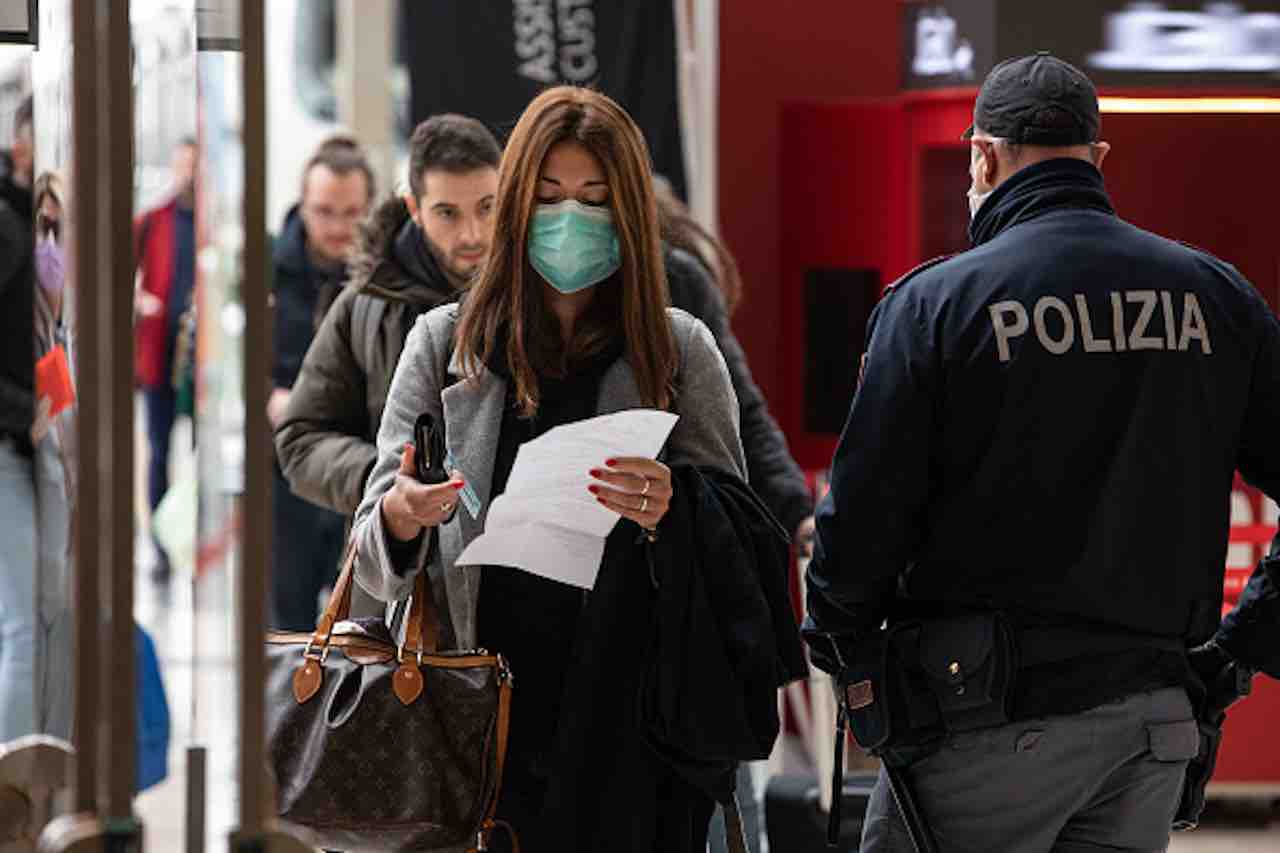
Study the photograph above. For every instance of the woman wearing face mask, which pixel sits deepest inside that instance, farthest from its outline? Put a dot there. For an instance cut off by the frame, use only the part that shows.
(53, 438)
(567, 321)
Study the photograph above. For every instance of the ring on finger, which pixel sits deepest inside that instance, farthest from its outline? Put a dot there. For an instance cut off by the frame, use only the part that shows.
(647, 484)
(644, 505)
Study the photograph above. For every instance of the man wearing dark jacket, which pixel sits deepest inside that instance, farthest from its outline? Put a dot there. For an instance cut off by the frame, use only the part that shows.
(1043, 442)
(310, 265)
(414, 253)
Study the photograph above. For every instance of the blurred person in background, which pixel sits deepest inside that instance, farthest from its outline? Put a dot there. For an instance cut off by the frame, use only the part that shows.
(415, 252)
(21, 424)
(54, 461)
(704, 280)
(15, 182)
(165, 251)
(310, 265)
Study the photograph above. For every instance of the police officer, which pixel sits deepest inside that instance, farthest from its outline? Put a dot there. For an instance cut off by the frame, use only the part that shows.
(1042, 447)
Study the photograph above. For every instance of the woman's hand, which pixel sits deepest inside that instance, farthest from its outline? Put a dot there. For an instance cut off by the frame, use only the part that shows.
(410, 506)
(635, 488)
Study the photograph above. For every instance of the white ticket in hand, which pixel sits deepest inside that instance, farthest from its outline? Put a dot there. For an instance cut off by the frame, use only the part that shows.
(546, 522)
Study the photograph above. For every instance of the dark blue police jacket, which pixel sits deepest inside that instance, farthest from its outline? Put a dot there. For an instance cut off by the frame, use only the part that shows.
(1048, 424)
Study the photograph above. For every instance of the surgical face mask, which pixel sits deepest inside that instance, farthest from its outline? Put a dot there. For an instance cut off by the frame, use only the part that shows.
(573, 246)
(50, 265)
(976, 198)
(975, 201)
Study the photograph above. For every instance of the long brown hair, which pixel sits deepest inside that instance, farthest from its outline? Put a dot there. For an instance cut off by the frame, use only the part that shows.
(508, 299)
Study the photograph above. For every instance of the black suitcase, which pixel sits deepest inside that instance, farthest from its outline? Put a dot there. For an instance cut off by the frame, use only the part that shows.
(796, 823)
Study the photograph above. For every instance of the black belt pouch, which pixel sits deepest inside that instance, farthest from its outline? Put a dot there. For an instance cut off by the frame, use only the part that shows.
(924, 678)
(966, 664)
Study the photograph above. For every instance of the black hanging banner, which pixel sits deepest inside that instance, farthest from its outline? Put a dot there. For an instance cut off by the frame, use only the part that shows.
(489, 58)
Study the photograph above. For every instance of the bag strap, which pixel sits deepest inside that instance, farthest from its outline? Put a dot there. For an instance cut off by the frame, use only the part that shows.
(423, 626)
(308, 677)
(489, 824)
(735, 833)
(339, 606)
(424, 618)
(837, 774)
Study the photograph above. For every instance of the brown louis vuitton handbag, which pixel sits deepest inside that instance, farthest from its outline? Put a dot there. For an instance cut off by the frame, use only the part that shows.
(383, 746)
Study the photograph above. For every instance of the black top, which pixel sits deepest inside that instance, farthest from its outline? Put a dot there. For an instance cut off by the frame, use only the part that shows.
(1049, 425)
(184, 267)
(530, 619)
(17, 315)
(303, 292)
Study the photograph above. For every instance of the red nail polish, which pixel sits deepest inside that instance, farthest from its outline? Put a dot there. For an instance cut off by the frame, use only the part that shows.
(595, 472)
(595, 490)
(601, 501)
(612, 463)
(459, 486)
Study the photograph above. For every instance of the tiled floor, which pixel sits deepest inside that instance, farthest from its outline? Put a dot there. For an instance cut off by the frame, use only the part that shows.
(202, 692)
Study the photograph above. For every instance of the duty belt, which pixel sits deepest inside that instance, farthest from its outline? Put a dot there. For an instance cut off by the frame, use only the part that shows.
(1044, 644)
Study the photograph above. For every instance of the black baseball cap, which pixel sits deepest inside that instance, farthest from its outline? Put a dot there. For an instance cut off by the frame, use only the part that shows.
(1038, 100)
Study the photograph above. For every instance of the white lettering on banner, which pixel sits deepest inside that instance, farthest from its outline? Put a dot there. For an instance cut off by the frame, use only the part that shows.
(535, 39)
(1129, 332)
(578, 63)
(556, 40)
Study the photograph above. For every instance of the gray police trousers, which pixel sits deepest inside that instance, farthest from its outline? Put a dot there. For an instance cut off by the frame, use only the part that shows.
(1106, 779)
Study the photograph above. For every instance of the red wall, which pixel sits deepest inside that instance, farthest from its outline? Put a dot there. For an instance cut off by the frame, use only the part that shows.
(771, 51)
(1209, 180)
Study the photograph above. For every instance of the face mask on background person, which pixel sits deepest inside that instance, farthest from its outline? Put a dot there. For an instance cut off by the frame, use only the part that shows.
(975, 200)
(976, 162)
(573, 246)
(50, 265)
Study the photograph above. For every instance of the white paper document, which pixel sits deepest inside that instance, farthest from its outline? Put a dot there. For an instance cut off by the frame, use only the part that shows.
(546, 522)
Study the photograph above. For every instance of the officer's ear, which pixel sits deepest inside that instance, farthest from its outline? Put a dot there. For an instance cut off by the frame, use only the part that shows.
(986, 168)
(1098, 152)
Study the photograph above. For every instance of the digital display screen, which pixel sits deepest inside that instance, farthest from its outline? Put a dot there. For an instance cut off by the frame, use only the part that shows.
(1116, 42)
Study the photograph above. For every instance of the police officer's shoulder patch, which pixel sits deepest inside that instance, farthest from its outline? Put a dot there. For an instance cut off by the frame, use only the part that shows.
(911, 274)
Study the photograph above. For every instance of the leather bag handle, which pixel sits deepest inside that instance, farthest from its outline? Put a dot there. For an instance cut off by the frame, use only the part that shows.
(339, 606)
(424, 618)
(423, 627)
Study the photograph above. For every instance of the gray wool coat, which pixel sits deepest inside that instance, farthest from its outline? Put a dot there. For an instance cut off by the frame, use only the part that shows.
(471, 410)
